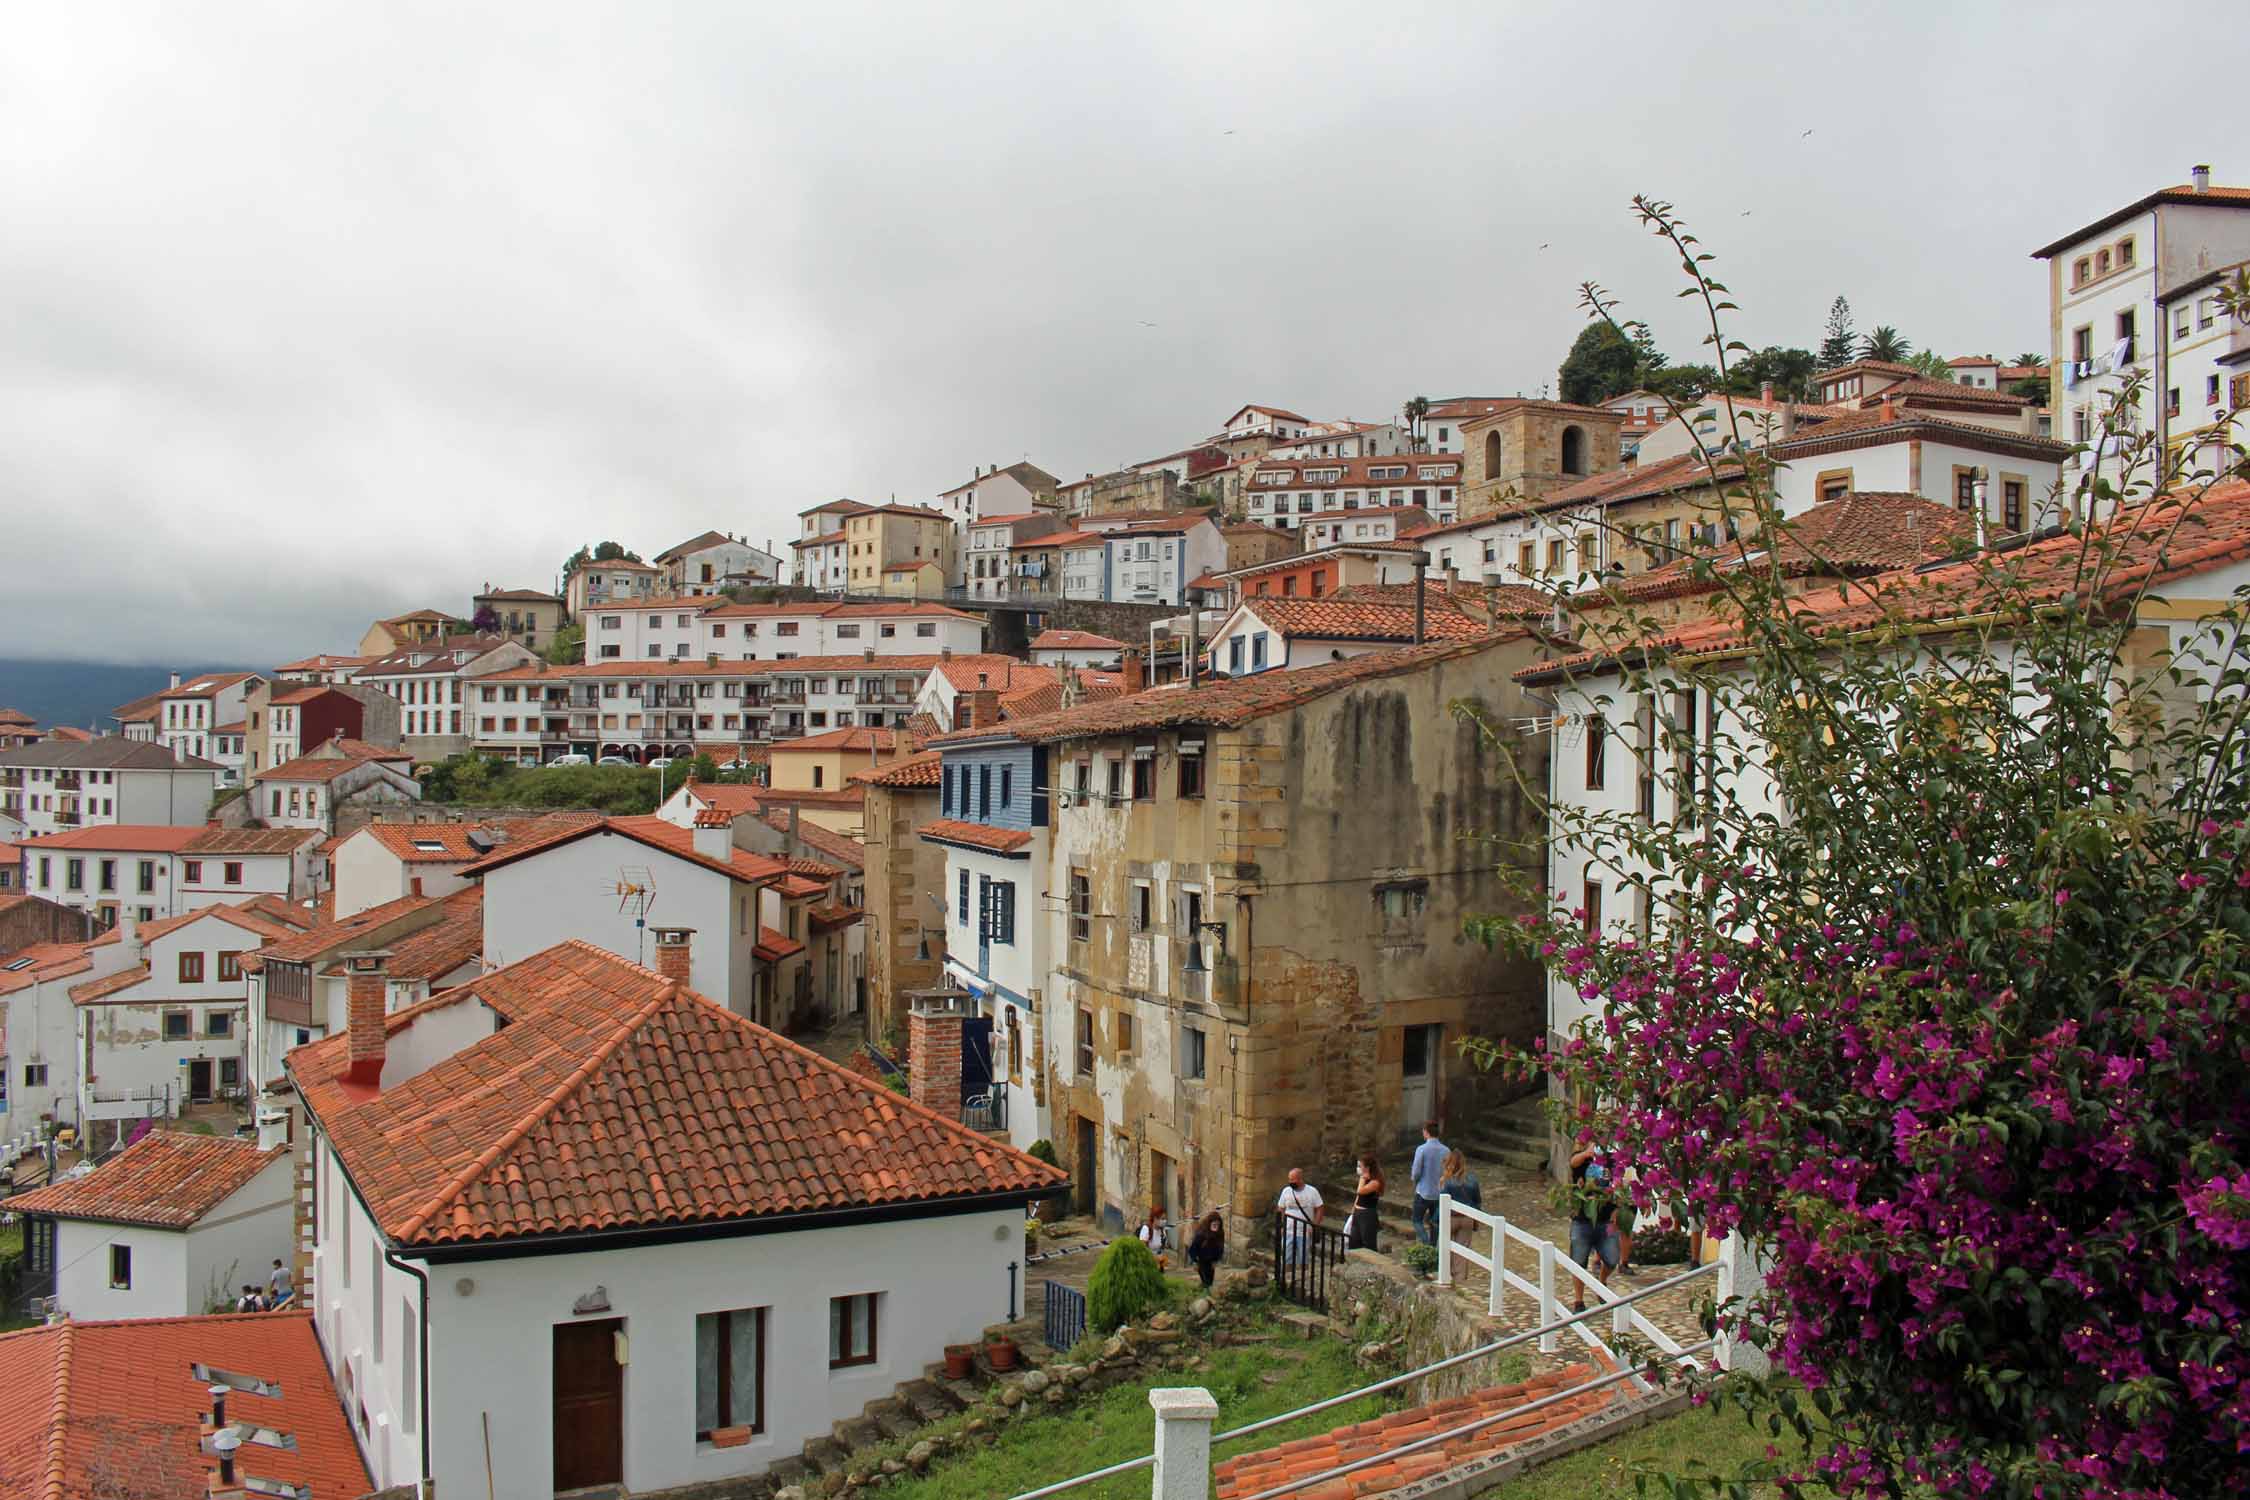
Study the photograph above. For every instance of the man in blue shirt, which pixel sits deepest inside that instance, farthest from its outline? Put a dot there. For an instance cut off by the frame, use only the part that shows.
(1429, 1165)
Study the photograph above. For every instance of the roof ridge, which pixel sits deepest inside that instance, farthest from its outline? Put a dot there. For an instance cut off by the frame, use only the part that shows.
(513, 1136)
(58, 1428)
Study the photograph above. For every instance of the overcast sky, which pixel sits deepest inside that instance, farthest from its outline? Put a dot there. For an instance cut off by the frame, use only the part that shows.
(315, 312)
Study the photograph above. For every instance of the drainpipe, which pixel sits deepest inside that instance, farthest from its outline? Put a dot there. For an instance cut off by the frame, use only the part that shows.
(422, 1357)
(1421, 581)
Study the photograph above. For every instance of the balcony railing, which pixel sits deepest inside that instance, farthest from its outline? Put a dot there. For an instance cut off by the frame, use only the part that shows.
(69, 781)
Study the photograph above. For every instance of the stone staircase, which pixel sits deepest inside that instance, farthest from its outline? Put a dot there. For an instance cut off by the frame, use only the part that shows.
(1510, 1141)
(914, 1405)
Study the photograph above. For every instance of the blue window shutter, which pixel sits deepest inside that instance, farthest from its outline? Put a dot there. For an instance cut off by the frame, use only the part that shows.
(963, 911)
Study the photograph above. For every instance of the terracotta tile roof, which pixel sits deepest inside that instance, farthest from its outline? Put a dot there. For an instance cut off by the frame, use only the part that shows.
(831, 917)
(920, 770)
(645, 829)
(324, 662)
(1667, 476)
(861, 739)
(1862, 532)
(71, 734)
(28, 966)
(1059, 539)
(243, 914)
(93, 991)
(160, 838)
(139, 711)
(332, 934)
(729, 796)
(697, 544)
(305, 694)
(1516, 600)
(1342, 620)
(900, 611)
(1231, 701)
(1282, 413)
(457, 841)
(615, 1099)
(208, 685)
(974, 835)
(1296, 560)
(280, 911)
(834, 796)
(796, 887)
(326, 768)
(2150, 549)
(841, 848)
(1254, 1473)
(167, 1179)
(2212, 197)
(97, 1401)
(419, 616)
(1074, 640)
(429, 658)
(1003, 674)
(1910, 392)
(455, 938)
(1960, 361)
(825, 539)
(772, 947)
(10, 717)
(109, 752)
(521, 596)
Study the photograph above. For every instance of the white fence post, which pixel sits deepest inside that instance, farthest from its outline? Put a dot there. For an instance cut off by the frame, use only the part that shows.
(1499, 1265)
(1741, 1276)
(1184, 1415)
(1549, 1308)
(1445, 1239)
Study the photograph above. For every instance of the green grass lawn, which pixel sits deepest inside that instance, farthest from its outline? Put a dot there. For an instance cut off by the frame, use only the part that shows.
(1250, 1382)
(1708, 1440)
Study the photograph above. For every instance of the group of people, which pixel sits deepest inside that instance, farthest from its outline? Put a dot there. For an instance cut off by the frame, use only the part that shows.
(279, 1288)
(1206, 1247)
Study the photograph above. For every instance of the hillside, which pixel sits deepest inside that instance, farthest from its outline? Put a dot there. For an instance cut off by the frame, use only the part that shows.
(77, 692)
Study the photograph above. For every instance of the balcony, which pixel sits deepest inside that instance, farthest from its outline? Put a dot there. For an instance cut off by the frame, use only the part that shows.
(68, 819)
(69, 781)
(784, 696)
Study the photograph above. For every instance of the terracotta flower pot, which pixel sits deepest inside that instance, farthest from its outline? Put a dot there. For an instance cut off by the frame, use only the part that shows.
(729, 1437)
(1001, 1354)
(960, 1361)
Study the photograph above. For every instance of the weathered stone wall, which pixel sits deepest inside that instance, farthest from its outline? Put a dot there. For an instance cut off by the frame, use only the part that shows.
(35, 919)
(902, 872)
(1531, 454)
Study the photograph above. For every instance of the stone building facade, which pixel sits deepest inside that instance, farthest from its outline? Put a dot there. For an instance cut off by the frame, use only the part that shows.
(1516, 449)
(905, 930)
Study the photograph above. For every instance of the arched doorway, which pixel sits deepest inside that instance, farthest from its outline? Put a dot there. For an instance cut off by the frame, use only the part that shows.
(1494, 455)
(1574, 450)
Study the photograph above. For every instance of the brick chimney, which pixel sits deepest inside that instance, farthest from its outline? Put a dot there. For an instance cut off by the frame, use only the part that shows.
(984, 704)
(933, 1040)
(1135, 675)
(367, 979)
(673, 948)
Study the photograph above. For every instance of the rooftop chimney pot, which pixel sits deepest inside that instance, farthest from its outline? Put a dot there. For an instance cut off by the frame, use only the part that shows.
(674, 950)
(367, 978)
(2201, 177)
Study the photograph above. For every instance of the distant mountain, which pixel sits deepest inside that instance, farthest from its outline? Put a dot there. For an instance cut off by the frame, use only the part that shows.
(79, 692)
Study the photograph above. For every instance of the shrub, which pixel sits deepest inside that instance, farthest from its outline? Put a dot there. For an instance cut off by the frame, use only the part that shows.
(1044, 1150)
(1660, 1247)
(1126, 1284)
(1419, 1258)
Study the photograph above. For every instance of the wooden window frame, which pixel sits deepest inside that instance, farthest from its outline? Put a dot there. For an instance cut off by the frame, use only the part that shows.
(120, 1267)
(1597, 752)
(1081, 906)
(1825, 478)
(849, 1360)
(186, 1019)
(230, 964)
(191, 967)
(725, 1369)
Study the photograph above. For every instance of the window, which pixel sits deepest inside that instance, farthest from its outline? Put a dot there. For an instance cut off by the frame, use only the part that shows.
(179, 1025)
(1082, 778)
(925, 629)
(1597, 751)
(1191, 768)
(961, 906)
(2082, 270)
(218, 1023)
(1555, 558)
(984, 791)
(1007, 776)
(847, 632)
(1081, 905)
(1192, 1042)
(1116, 780)
(2180, 321)
(730, 1386)
(234, 872)
(121, 1268)
(1085, 1042)
(1124, 1032)
(1965, 489)
(1144, 773)
(1143, 902)
(191, 968)
(2172, 401)
(191, 871)
(2125, 251)
(1645, 802)
(108, 869)
(1527, 559)
(34, 1075)
(1593, 908)
(2011, 504)
(851, 1330)
(2211, 390)
(74, 874)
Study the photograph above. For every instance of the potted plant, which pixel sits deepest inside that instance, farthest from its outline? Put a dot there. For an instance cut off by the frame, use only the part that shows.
(1000, 1353)
(1030, 1238)
(1421, 1259)
(960, 1361)
(729, 1437)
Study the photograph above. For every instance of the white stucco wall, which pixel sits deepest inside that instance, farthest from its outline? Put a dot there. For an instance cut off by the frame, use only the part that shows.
(240, 1238)
(160, 1286)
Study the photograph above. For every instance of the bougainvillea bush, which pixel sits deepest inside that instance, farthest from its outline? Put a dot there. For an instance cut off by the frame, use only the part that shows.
(1948, 1010)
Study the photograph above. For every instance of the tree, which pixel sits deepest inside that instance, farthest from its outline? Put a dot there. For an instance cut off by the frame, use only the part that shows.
(1837, 343)
(1791, 372)
(2029, 359)
(1602, 363)
(1124, 1284)
(567, 646)
(1885, 343)
(1932, 364)
(602, 552)
(1940, 1007)
(486, 621)
(704, 768)
(1683, 383)
(1417, 411)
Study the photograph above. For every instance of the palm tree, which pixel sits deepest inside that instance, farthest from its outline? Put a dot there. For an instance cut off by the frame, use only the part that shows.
(2029, 359)
(1885, 343)
(1417, 408)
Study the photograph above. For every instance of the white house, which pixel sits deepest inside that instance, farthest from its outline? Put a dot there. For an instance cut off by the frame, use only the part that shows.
(2205, 355)
(1267, 633)
(1150, 562)
(495, 1266)
(59, 784)
(998, 491)
(161, 1025)
(1073, 648)
(1386, 524)
(715, 561)
(2107, 284)
(1271, 422)
(613, 881)
(594, 584)
(40, 1080)
(190, 712)
(822, 559)
(158, 872)
(308, 791)
(174, 1225)
(1287, 493)
(1344, 440)
(383, 862)
(941, 694)
(676, 629)
(429, 680)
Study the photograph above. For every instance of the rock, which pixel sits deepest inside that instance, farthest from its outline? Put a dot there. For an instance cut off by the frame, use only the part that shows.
(975, 1425)
(1360, 1311)
(790, 1492)
(1372, 1353)
(1142, 1337)
(1162, 1321)
(1116, 1347)
(918, 1457)
(1011, 1395)
(890, 1466)
(1200, 1308)
(1035, 1381)
(1255, 1276)
(1054, 1395)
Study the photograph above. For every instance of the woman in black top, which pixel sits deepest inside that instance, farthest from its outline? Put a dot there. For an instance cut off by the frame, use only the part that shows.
(1208, 1246)
(1366, 1205)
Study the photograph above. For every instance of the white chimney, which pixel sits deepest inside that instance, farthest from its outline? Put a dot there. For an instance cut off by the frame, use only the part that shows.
(714, 835)
(2201, 177)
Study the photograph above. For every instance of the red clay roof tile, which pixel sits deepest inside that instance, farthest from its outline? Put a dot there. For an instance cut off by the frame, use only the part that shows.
(167, 1179)
(975, 835)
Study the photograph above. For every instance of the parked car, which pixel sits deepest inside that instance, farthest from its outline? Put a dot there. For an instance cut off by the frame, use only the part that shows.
(570, 760)
(613, 760)
(662, 764)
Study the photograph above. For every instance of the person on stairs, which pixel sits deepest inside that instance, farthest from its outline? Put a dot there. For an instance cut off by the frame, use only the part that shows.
(1427, 1167)
(1460, 1184)
(1367, 1206)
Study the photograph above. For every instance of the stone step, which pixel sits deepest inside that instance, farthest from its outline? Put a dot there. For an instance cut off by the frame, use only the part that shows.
(859, 1432)
(894, 1417)
(930, 1398)
(783, 1472)
(827, 1456)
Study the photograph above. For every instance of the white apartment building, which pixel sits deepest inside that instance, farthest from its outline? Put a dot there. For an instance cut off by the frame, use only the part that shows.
(987, 566)
(1270, 422)
(597, 583)
(689, 629)
(1387, 524)
(430, 683)
(190, 713)
(1150, 562)
(2206, 359)
(2109, 284)
(1344, 440)
(154, 872)
(56, 785)
(715, 561)
(1285, 493)
(998, 491)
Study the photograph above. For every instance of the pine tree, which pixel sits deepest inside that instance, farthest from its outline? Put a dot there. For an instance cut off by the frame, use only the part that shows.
(1837, 345)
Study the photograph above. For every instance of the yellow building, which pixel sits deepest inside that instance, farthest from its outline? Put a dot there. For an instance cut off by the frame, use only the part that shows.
(881, 535)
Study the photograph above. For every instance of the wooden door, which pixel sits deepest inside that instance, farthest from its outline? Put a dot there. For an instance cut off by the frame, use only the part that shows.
(199, 1080)
(589, 1405)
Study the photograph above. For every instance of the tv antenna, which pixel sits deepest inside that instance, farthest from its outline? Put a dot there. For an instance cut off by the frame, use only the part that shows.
(635, 889)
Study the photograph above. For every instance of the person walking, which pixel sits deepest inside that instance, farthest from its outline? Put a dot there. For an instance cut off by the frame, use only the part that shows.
(1427, 1167)
(1208, 1246)
(1460, 1184)
(279, 1285)
(1593, 1227)
(1156, 1234)
(1299, 1205)
(1367, 1206)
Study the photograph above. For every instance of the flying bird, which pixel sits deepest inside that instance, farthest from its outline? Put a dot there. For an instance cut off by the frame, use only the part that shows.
(1545, 246)
(1145, 323)
(1746, 213)
(1801, 137)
